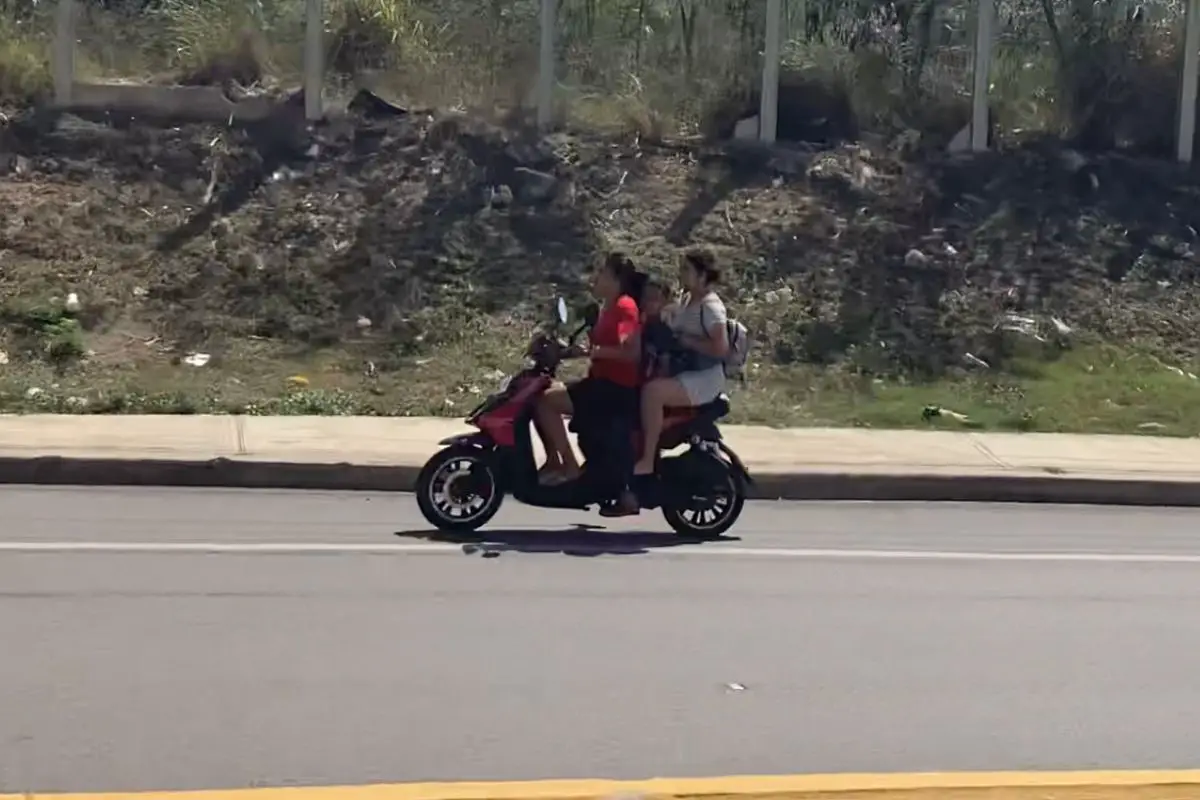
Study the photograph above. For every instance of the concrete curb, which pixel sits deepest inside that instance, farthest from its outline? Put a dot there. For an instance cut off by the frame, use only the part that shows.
(1173, 785)
(230, 473)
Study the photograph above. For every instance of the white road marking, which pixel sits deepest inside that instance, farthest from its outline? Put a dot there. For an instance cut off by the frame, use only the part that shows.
(322, 548)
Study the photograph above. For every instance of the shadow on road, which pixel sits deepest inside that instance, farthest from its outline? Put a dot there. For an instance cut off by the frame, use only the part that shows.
(582, 541)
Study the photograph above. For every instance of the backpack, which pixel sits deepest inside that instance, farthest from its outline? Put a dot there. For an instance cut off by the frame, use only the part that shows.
(739, 347)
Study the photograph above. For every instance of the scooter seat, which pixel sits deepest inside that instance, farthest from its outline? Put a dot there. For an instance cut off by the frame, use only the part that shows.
(711, 411)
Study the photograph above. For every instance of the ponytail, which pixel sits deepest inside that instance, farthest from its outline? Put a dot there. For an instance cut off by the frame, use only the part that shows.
(631, 280)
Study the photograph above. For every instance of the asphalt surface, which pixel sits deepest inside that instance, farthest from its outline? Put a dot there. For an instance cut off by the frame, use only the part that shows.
(212, 639)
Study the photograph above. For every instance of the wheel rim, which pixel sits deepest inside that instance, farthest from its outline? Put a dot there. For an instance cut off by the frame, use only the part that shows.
(462, 489)
(712, 511)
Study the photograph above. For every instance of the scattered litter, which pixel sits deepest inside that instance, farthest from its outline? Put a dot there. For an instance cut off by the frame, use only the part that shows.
(915, 258)
(297, 381)
(735, 687)
(1061, 327)
(1026, 326)
(3, 358)
(32, 392)
(72, 303)
(363, 323)
(931, 412)
(971, 358)
(1151, 426)
(197, 359)
(1181, 373)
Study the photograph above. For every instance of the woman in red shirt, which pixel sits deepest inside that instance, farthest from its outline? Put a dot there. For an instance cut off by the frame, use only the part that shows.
(611, 385)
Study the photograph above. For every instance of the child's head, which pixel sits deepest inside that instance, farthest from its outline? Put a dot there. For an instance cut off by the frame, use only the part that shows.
(655, 295)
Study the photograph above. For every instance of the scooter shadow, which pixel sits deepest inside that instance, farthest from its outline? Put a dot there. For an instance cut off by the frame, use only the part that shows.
(580, 541)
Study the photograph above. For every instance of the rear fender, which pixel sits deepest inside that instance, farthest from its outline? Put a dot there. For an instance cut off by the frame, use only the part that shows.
(693, 467)
(478, 440)
(739, 469)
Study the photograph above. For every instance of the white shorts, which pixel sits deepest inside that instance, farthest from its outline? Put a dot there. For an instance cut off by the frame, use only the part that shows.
(703, 386)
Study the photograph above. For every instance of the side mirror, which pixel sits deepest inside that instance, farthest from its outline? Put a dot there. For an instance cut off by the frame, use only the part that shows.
(590, 314)
(560, 310)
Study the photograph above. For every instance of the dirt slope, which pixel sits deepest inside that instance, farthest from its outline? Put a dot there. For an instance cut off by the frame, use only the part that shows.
(397, 236)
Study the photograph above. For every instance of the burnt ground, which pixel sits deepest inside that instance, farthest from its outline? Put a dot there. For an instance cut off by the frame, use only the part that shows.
(393, 266)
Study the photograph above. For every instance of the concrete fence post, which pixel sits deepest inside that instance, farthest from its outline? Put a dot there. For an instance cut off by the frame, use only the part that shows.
(314, 60)
(63, 51)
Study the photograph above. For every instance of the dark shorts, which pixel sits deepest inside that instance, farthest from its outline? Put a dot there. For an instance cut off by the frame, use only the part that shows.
(606, 414)
(599, 399)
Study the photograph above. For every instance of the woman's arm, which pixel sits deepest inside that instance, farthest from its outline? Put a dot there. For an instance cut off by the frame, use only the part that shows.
(716, 343)
(628, 328)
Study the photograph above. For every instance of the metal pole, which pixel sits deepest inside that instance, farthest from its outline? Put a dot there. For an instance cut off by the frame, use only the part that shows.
(64, 51)
(1186, 138)
(314, 60)
(768, 112)
(545, 84)
(985, 17)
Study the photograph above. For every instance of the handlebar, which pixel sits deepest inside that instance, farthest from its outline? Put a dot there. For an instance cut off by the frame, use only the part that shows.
(548, 350)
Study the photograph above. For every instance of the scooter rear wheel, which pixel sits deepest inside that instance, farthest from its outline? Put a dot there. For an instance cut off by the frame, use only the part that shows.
(710, 515)
(458, 491)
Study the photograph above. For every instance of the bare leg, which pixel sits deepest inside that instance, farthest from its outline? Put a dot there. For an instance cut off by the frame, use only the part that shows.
(553, 459)
(656, 396)
(550, 410)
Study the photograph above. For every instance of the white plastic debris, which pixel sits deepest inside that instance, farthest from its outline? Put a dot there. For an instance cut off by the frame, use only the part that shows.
(971, 358)
(72, 303)
(363, 323)
(197, 359)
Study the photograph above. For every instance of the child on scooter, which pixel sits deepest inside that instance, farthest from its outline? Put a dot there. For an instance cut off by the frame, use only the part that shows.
(657, 338)
(658, 344)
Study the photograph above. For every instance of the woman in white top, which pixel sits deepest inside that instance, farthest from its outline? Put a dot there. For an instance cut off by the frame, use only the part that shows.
(699, 327)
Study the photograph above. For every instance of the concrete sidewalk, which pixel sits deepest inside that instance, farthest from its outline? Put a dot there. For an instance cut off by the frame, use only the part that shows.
(385, 454)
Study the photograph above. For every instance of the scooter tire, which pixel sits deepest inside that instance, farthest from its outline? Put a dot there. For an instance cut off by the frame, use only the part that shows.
(427, 487)
(674, 515)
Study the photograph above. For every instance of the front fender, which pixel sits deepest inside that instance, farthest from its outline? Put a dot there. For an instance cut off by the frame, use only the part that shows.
(478, 439)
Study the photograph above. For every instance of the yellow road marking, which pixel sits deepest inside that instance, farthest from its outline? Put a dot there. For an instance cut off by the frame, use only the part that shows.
(1106, 785)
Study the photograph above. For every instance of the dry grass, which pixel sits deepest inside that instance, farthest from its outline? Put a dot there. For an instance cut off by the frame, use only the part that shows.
(24, 63)
(631, 74)
(272, 286)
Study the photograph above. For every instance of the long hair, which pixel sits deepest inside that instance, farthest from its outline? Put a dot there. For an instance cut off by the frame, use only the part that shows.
(631, 279)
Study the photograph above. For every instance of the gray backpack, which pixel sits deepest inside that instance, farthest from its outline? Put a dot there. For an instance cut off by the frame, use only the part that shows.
(739, 347)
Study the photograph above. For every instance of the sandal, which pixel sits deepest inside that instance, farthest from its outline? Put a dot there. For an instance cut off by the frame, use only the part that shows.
(625, 506)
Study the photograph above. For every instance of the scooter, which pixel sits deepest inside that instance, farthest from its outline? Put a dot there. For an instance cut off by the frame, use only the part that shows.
(702, 489)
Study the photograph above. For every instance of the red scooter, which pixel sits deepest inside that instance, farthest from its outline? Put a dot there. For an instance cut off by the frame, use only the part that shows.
(701, 490)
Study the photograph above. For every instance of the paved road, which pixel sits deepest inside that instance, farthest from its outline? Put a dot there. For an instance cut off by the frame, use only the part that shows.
(830, 637)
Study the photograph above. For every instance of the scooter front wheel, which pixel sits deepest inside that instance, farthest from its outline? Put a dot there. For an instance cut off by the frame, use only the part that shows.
(458, 490)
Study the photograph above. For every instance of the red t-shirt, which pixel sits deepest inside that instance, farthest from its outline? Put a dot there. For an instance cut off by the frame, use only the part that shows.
(617, 322)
